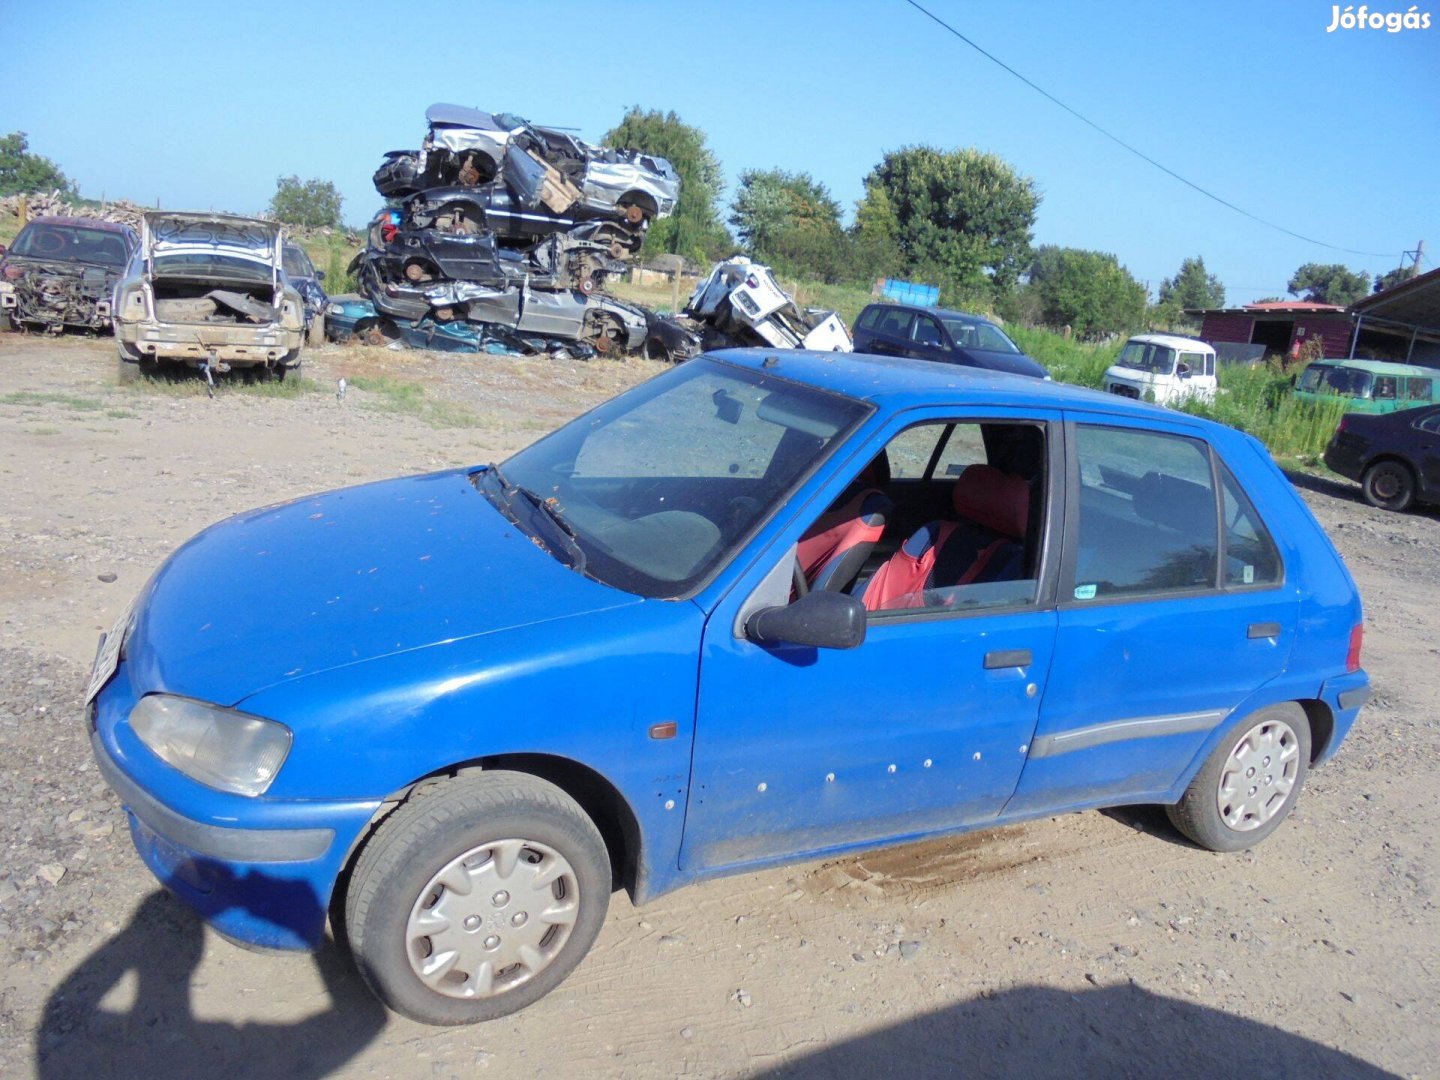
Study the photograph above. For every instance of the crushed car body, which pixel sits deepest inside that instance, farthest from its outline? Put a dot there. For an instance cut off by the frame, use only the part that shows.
(510, 228)
(60, 272)
(209, 291)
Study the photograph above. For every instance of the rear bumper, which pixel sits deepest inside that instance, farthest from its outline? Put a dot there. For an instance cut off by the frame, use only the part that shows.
(237, 346)
(1345, 695)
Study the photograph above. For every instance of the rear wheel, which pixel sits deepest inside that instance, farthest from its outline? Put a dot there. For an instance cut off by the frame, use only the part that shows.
(476, 898)
(1250, 783)
(1389, 485)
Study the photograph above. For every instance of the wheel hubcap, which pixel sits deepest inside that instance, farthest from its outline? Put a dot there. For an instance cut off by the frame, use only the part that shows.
(1387, 484)
(1258, 776)
(493, 918)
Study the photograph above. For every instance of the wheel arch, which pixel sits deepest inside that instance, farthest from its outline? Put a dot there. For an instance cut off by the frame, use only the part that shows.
(597, 796)
(642, 199)
(1321, 719)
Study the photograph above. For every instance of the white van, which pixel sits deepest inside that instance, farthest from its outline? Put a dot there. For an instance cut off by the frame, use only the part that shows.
(1163, 368)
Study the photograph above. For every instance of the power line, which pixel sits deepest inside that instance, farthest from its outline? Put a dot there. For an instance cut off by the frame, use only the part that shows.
(1138, 153)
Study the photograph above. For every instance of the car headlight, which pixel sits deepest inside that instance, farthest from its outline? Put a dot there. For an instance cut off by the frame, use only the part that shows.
(335, 309)
(221, 748)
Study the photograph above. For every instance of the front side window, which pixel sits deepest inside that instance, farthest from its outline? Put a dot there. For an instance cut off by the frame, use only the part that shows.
(656, 488)
(927, 330)
(1147, 514)
(1384, 388)
(297, 263)
(1195, 362)
(979, 334)
(1430, 423)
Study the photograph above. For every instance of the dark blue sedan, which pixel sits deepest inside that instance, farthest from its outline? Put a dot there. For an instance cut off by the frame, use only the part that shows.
(763, 607)
(947, 337)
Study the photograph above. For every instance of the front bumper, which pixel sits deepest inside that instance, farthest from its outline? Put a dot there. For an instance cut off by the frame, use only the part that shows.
(265, 881)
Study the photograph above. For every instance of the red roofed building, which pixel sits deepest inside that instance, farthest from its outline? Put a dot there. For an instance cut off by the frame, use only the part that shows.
(1249, 333)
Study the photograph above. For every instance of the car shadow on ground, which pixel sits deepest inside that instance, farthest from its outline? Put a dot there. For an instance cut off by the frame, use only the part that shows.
(1346, 490)
(1114, 1031)
(153, 1031)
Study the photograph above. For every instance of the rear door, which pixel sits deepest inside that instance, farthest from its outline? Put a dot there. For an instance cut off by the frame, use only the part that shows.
(1167, 619)
(891, 336)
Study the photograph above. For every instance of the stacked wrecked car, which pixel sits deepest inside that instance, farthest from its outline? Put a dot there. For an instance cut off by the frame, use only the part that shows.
(498, 235)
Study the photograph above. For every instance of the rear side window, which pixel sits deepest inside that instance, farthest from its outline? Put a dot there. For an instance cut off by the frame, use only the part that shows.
(1147, 514)
(1250, 554)
(1419, 389)
(896, 323)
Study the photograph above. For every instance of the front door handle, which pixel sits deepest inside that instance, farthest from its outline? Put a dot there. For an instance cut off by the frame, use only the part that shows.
(1007, 658)
(1264, 630)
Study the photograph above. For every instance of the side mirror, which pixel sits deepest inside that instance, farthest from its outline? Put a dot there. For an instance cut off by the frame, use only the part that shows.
(1183, 370)
(319, 275)
(825, 620)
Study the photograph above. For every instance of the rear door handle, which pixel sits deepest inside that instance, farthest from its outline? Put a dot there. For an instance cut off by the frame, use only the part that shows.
(1264, 630)
(1007, 658)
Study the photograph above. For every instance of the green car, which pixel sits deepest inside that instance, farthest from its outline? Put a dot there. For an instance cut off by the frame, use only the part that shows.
(1371, 386)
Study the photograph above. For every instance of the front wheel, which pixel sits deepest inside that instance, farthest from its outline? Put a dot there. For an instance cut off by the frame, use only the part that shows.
(476, 898)
(1249, 784)
(1388, 485)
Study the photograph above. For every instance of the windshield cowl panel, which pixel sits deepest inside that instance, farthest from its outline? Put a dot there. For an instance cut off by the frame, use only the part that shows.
(658, 488)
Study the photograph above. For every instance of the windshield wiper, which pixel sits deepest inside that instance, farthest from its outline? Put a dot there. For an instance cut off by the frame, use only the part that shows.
(552, 512)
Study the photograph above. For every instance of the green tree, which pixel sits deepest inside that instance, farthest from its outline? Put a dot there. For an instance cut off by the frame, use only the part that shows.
(309, 203)
(963, 218)
(1328, 283)
(792, 222)
(875, 236)
(22, 172)
(694, 229)
(1391, 278)
(1087, 290)
(1192, 287)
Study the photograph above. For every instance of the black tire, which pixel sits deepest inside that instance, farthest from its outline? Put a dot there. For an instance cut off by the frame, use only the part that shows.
(1199, 813)
(396, 872)
(1388, 485)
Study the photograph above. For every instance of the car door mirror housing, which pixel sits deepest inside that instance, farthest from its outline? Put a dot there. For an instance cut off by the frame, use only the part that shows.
(824, 620)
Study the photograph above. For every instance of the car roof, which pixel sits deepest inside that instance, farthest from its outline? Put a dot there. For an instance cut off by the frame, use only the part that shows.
(84, 223)
(1174, 341)
(937, 311)
(447, 115)
(1377, 367)
(899, 382)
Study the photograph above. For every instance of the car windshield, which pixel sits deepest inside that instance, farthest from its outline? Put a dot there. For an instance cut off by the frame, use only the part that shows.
(979, 334)
(297, 263)
(658, 487)
(70, 243)
(1147, 356)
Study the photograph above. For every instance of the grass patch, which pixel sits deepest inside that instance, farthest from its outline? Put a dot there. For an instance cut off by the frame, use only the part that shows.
(392, 395)
(1066, 359)
(185, 385)
(1258, 401)
(121, 414)
(36, 398)
(42, 431)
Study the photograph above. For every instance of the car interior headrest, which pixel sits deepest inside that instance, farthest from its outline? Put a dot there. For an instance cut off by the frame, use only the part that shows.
(999, 501)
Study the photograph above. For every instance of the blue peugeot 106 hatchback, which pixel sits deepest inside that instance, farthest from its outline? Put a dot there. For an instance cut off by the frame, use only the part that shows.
(760, 608)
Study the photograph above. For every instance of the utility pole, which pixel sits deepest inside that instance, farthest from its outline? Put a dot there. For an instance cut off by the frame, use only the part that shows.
(1419, 258)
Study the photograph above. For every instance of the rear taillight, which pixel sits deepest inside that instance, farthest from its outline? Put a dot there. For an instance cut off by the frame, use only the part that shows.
(1357, 639)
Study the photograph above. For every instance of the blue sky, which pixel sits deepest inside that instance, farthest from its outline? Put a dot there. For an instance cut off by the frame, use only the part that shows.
(1333, 135)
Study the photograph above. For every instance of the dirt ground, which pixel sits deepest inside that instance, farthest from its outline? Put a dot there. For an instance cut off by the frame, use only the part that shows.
(1096, 944)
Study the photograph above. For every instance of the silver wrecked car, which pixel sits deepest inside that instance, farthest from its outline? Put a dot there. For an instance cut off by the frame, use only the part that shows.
(208, 291)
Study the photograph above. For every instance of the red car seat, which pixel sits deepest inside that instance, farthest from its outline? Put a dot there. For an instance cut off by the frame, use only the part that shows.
(835, 548)
(985, 544)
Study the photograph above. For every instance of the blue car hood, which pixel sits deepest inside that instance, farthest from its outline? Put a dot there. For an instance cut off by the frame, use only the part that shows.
(340, 578)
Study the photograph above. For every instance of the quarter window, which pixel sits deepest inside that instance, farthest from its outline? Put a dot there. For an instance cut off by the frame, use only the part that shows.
(1147, 514)
(1250, 554)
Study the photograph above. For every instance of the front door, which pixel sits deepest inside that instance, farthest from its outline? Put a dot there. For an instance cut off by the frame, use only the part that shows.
(925, 726)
